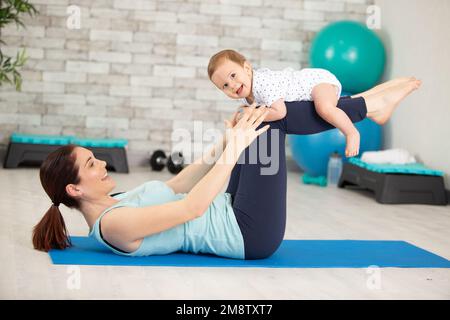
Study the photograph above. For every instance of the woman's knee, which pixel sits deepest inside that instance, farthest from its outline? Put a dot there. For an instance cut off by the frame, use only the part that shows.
(261, 249)
(259, 254)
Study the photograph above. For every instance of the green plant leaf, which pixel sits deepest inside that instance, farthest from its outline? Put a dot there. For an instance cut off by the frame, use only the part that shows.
(10, 12)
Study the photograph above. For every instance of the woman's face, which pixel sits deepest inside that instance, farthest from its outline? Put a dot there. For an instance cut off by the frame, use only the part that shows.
(94, 179)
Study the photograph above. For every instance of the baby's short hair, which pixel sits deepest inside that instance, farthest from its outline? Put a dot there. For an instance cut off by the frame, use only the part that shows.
(220, 56)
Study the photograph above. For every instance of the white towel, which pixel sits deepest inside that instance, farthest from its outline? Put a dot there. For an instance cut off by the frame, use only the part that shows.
(392, 156)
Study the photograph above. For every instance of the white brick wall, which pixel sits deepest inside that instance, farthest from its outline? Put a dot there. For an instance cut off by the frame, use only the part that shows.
(137, 69)
(88, 67)
(108, 35)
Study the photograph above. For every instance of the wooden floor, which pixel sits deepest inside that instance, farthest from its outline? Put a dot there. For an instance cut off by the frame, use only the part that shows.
(313, 213)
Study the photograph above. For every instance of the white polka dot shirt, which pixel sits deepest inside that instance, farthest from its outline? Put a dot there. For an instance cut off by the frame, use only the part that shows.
(292, 85)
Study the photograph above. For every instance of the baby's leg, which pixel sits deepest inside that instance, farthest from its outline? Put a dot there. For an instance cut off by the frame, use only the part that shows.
(339, 119)
(325, 100)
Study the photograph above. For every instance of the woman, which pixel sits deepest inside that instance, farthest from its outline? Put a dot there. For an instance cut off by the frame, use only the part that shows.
(189, 213)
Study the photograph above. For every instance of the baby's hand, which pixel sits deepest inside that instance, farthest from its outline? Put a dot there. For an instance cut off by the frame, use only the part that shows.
(240, 113)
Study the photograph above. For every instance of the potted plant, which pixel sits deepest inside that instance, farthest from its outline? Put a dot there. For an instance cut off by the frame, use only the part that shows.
(11, 11)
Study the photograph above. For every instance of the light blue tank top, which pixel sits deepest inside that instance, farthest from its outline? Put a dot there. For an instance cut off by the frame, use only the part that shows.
(215, 232)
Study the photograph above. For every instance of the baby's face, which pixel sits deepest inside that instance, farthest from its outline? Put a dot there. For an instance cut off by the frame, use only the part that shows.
(234, 80)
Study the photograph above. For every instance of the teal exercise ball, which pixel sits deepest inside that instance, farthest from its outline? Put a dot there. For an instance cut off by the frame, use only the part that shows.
(312, 152)
(352, 52)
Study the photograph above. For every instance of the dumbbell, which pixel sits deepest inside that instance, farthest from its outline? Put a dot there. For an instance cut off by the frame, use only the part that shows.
(174, 163)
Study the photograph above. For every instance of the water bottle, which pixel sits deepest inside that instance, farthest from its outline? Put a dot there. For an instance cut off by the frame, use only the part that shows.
(334, 169)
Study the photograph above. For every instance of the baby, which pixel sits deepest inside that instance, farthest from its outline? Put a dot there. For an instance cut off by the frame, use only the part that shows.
(234, 75)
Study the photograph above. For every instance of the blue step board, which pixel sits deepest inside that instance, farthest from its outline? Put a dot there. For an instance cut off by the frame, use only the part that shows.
(64, 140)
(409, 168)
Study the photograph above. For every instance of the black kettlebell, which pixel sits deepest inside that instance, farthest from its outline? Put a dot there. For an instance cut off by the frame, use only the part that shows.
(174, 163)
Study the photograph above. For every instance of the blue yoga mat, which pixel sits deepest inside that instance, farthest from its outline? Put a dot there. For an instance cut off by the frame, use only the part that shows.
(291, 254)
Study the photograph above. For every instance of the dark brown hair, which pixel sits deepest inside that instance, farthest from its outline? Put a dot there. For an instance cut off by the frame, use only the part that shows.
(56, 172)
(224, 55)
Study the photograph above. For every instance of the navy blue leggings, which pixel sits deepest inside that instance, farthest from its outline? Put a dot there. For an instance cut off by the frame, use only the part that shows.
(259, 193)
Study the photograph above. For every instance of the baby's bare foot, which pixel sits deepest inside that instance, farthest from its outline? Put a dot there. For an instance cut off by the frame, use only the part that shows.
(380, 106)
(352, 144)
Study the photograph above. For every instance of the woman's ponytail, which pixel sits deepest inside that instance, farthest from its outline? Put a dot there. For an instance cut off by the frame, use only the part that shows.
(56, 172)
(51, 232)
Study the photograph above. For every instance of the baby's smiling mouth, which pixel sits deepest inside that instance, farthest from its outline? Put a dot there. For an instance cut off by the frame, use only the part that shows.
(238, 91)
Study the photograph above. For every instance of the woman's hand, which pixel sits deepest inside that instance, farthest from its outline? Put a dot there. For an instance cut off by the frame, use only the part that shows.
(242, 132)
(240, 112)
(236, 116)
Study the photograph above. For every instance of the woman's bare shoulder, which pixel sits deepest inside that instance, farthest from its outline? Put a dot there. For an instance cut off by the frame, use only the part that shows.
(113, 226)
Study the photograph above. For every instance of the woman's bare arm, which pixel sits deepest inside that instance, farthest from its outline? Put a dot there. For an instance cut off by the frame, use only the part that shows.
(123, 226)
(187, 178)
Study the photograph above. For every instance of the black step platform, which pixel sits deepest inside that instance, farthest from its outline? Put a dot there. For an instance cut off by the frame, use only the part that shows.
(29, 154)
(396, 188)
